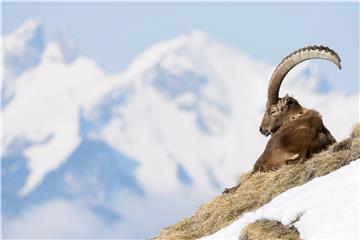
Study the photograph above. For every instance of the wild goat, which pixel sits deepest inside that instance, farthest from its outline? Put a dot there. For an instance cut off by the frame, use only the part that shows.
(296, 132)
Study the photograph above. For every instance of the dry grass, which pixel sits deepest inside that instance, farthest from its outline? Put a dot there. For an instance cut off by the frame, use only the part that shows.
(258, 189)
(269, 230)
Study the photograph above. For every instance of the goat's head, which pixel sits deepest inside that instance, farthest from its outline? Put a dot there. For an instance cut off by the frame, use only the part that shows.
(280, 110)
(284, 110)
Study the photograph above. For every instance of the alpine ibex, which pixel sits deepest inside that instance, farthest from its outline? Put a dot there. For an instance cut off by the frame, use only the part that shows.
(296, 132)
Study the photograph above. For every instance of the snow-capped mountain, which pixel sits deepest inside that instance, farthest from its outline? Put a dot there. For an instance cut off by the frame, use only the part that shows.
(181, 120)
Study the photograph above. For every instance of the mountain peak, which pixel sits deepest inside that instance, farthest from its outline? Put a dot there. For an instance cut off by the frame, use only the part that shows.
(30, 26)
(29, 33)
(67, 46)
(23, 47)
(187, 45)
(22, 50)
(63, 49)
(197, 36)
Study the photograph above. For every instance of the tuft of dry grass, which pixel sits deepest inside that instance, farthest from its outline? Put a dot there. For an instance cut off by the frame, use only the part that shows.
(270, 230)
(258, 189)
(356, 131)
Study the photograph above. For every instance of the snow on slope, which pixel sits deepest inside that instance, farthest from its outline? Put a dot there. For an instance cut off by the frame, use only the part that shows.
(328, 208)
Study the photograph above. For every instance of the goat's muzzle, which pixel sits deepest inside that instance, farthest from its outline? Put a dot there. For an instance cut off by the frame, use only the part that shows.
(264, 131)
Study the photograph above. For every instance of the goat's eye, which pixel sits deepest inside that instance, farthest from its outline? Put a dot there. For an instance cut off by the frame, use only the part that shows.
(272, 112)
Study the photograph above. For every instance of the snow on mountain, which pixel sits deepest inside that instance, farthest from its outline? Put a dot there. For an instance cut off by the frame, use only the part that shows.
(22, 50)
(337, 219)
(45, 111)
(175, 122)
(181, 96)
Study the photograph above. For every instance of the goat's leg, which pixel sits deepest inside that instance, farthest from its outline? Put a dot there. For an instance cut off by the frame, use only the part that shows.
(295, 158)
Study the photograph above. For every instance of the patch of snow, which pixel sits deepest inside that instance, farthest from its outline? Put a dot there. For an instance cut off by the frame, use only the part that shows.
(327, 208)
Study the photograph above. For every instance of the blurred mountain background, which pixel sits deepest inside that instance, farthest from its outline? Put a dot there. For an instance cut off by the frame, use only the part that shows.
(92, 153)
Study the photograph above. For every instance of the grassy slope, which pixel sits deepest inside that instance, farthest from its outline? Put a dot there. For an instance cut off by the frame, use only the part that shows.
(270, 230)
(258, 189)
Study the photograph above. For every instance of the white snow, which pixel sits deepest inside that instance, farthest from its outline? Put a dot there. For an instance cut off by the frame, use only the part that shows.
(21, 50)
(328, 208)
(17, 43)
(46, 107)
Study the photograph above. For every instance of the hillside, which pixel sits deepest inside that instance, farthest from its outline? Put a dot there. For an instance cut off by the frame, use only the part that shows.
(276, 219)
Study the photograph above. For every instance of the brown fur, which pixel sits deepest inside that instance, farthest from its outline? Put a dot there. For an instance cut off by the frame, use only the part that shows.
(297, 133)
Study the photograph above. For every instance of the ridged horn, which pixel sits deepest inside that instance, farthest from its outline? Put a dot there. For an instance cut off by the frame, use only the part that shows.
(296, 57)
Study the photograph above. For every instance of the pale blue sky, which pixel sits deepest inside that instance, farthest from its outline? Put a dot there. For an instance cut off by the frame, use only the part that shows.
(115, 33)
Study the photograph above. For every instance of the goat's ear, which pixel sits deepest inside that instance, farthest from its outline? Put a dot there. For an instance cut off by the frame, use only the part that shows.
(287, 98)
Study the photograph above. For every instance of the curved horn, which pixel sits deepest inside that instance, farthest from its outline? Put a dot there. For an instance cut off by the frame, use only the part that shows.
(296, 57)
